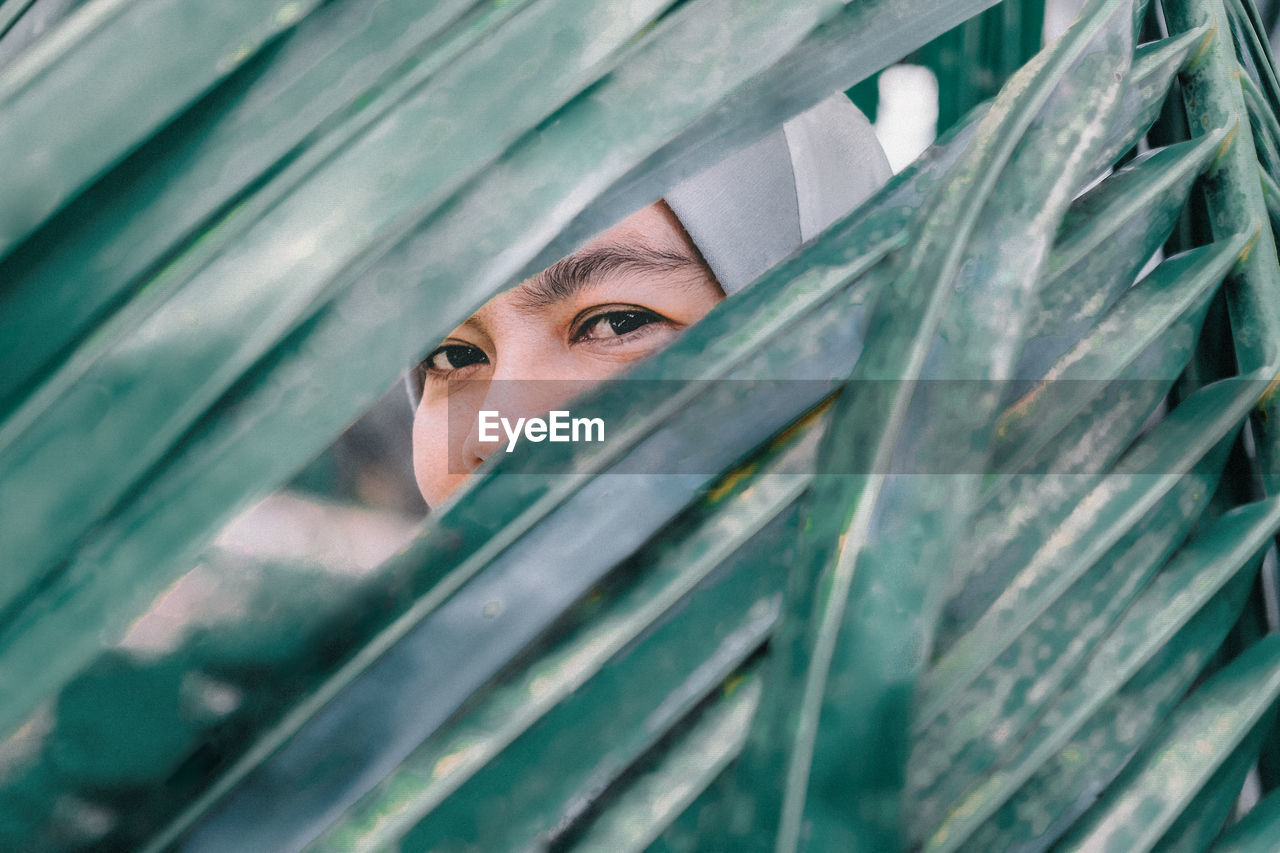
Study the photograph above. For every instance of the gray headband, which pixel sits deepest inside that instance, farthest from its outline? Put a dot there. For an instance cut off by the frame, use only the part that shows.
(754, 208)
(757, 206)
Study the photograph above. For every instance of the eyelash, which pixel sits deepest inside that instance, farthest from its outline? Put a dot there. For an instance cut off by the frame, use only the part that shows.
(430, 370)
(579, 336)
(581, 329)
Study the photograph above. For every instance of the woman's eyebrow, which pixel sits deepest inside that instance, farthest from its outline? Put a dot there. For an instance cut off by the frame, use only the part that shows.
(586, 267)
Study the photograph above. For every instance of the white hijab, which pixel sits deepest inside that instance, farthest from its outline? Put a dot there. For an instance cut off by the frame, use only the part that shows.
(757, 206)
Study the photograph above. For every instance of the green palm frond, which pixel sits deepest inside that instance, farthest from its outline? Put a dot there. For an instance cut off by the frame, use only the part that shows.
(964, 548)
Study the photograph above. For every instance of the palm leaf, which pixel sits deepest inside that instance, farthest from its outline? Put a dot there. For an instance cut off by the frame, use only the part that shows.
(805, 636)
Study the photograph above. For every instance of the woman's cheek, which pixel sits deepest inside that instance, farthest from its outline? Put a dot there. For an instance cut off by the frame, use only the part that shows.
(433, 458)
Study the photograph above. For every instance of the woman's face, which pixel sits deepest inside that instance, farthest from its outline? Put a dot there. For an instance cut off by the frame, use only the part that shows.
(619, 298)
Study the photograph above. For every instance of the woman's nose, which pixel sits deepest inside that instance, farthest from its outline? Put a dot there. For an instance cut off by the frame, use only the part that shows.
(510, 398)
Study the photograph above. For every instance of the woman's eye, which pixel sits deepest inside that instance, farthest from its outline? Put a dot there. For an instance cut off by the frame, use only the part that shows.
(450, 357)
(615, 324)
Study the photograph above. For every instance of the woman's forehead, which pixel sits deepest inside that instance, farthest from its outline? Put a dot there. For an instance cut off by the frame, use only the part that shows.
(647, 247)
(654, 226)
